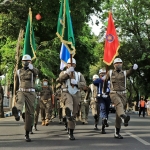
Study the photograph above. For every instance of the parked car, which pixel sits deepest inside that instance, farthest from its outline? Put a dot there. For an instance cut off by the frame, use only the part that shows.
(112, 108)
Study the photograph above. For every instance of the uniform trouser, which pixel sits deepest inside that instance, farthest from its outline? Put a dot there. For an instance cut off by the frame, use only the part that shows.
(59, 109)
(120, 102)
(37, 111)
(95, 110)
(46, 109)
(142, 109)
(104, 104)
(72, 102)
(84, 110)
(27, 98)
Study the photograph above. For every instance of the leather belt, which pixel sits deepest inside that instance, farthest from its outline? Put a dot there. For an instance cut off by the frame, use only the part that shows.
(26, 90)
(119, 92)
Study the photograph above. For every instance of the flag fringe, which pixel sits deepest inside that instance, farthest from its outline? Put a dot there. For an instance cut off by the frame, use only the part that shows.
(112, 58)
(73, 52)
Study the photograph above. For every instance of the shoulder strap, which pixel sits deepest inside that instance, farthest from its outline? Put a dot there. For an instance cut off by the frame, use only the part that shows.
(79, 74)
(110, 74)
(18, 74)
(125, 77)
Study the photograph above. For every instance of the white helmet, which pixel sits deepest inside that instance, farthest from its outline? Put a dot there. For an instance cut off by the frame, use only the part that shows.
(73, 61)
(102, 71)
(26, 57)
(117, 60)
(95, 76)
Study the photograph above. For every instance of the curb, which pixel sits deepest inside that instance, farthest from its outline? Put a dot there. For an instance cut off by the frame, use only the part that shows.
(8, 114)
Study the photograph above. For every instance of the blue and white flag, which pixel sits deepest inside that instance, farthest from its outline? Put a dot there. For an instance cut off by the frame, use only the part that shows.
(64, 56)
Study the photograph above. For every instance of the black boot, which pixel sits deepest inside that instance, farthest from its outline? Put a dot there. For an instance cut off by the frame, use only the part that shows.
(27, 137)
(35, 127)
(104, 122)
(68, 114)
(31, 132)
(117, 135)
(16, 113)
(71, 137)
(103, 129)
(95, 127)
(66, 125)
(23, 116)
(125, 119)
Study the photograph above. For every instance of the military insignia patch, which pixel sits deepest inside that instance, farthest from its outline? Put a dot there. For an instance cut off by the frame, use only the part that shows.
(110, 38)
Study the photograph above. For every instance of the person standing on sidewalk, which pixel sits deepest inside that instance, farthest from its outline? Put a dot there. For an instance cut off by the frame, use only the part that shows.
(142, 106)
(25, 94)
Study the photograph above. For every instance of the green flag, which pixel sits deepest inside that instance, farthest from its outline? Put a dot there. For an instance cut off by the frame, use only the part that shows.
(29, 42)
(64, 27)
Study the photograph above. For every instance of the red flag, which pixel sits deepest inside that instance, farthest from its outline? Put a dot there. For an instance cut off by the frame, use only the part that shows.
(111, 42)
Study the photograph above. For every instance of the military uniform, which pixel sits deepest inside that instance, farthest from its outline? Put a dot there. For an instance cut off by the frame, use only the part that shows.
(71, 95)
(25, 94)
(84, 104)
(117, 94)
(94, 104)
(46, 104)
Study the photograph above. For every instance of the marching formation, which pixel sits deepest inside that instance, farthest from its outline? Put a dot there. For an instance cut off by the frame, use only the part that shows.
(72, 97)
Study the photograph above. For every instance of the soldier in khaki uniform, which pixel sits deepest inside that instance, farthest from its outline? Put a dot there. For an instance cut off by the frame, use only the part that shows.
(26, 93)
(37, 105)
(84, 104)
(117, 79)
(71, 95)
(58, 99)
(46, 102)
(94, 103)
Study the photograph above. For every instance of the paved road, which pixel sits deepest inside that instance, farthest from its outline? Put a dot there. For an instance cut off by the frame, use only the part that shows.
(54, 137)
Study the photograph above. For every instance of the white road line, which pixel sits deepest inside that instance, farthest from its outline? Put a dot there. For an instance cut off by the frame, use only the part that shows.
(138, 138)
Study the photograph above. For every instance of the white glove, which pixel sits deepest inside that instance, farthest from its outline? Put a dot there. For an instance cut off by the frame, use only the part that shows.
(30, 66)
(71, 69)
(104, 77)
(104, 96)
(85, 100)
(73, 81)
(135, 66)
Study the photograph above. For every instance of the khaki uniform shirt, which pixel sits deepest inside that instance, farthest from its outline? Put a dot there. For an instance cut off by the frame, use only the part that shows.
(117, 80)
(46, 93)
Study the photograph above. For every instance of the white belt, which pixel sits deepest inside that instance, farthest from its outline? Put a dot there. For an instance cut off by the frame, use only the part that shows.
(99, 95)
(64, 90)
(104, 96)
(26, 90)
(119, 92)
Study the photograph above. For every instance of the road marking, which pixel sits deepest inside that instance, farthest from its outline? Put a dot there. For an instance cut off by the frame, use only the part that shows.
(138, 138)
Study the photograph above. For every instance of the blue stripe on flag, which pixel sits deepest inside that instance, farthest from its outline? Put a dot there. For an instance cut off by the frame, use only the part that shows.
(64, 56)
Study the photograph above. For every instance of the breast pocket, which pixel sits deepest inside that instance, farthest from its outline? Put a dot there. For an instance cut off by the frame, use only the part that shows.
(113, 79)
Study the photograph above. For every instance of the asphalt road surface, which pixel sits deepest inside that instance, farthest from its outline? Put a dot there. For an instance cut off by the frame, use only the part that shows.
(54, 137)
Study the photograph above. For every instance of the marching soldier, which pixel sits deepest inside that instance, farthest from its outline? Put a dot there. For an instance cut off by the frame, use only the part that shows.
(117, 79)
(94, 103)
(37, 105)
(58, 99)
(71, 95)
(46, 97)
(85, 101)
(25, 80)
